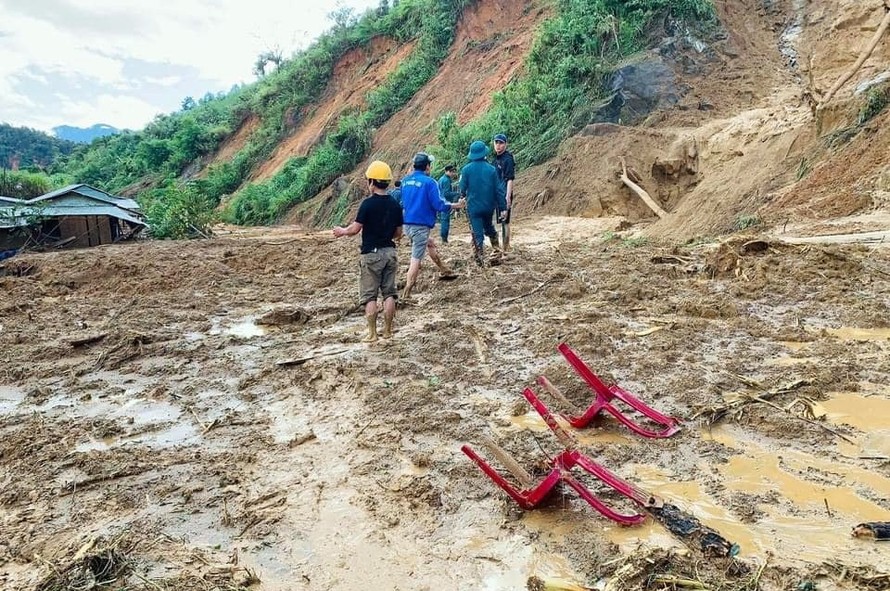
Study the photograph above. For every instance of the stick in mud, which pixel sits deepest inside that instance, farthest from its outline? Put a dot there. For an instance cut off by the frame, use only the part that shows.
(518, 472)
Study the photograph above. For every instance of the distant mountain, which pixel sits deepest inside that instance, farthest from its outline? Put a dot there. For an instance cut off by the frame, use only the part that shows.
(84, 135)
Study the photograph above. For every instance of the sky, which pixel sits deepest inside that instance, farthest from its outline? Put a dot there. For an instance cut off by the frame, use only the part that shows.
(122, 62)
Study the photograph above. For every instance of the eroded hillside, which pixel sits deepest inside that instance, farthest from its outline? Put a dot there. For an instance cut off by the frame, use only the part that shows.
(732, 135)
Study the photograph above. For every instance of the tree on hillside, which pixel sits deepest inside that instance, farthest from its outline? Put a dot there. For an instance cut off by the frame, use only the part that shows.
(343, 18)
(270, 56)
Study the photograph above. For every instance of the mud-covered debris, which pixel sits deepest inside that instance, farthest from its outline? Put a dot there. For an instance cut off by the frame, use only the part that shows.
(875, 530)
(284, 317)
(753, 246)
(551, 584)
(691, 531)
(88, 569)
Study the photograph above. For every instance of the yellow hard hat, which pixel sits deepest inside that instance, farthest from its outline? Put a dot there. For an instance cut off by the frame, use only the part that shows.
(379, 171)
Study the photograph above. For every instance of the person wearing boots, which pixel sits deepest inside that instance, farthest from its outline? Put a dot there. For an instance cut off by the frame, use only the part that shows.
(421, 201)
(379, 220)
(450, 195)
(506, 166)
(480, 184)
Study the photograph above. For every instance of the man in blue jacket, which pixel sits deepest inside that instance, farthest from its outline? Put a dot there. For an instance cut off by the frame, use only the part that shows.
(480, 184)
(421, 202)
(449, 195)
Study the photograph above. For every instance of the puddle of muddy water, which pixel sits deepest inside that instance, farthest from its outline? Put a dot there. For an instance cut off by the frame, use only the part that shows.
(10, 398)
(179, 433)
(533, 422)
(868, 412)
(798, 527)
(245, 328)
(860, 334)
(786, 361)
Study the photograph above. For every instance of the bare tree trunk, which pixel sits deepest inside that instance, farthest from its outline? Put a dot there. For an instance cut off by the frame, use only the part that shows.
(641, 193)
(885, 24)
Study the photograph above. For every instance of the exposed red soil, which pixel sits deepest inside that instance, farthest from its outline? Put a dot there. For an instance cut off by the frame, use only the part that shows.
(356, 73)
(233, 144)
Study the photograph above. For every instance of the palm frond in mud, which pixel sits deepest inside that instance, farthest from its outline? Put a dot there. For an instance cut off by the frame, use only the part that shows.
(862, 577)
(662, 570)
(111, 564)
(734, 403)
(99, 564)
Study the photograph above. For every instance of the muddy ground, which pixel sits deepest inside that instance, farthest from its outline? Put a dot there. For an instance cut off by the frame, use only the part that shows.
(149, 437)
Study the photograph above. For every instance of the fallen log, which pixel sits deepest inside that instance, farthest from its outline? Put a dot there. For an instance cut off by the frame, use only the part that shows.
(87, 340)
(641, 193)
(882, 28)
(302, 360)
(688, 529)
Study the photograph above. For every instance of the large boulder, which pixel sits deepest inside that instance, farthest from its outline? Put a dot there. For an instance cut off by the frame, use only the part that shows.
(638, 89)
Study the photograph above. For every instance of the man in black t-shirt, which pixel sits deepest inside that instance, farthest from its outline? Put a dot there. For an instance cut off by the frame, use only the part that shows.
(379, 220)
(506, 167)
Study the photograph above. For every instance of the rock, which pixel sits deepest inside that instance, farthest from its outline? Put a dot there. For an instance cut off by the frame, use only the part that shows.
(637, 90)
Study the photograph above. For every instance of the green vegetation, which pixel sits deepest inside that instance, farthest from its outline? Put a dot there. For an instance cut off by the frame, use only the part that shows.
(23, 185)
(623, 241)
(876, 100)
(803, 169)
(571, 60)
(24, 148)
(573, 56)
(433, 21)
(746, 221)
(179, 213)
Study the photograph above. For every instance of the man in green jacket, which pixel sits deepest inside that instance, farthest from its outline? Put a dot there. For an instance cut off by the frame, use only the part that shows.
(480, 184)
(450, 195)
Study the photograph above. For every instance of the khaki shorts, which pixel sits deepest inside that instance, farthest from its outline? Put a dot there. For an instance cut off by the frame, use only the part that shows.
(378, 273)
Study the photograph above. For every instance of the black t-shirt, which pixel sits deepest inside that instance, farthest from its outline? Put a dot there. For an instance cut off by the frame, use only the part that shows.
(379, 216)
(505, 165)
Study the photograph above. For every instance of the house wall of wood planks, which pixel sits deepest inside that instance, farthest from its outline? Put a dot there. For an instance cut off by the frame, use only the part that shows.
(87, 230)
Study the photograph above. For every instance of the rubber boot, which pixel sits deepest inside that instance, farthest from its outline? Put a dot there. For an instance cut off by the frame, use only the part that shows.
(477, 254)
(372, 329)
(387, 327)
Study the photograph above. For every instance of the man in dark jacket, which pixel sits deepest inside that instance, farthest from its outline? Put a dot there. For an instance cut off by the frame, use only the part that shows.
(480, 184)
(450, 195)
(506, 166)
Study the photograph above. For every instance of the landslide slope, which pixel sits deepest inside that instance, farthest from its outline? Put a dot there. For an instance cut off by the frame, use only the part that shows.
(729, 139)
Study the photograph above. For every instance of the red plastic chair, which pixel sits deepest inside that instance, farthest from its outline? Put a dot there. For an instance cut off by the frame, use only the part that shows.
(529, 495)
(603, 402)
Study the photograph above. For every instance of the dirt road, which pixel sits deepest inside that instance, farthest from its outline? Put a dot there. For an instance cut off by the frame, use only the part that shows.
(149, 436)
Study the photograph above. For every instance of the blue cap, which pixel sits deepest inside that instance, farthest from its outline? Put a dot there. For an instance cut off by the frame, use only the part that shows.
(500, 138)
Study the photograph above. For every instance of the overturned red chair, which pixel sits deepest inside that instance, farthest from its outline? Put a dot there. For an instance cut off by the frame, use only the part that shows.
(605, 396)
(529, 494)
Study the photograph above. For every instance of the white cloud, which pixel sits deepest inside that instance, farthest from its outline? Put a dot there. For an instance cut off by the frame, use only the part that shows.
(91, 41)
